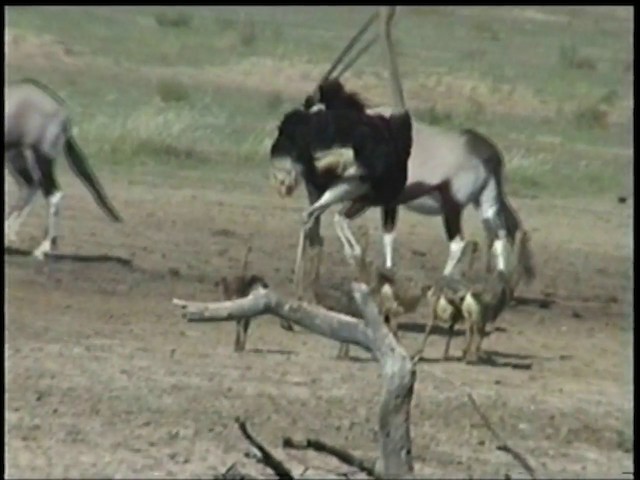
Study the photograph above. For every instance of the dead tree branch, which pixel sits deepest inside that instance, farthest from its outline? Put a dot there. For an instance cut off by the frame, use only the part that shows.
(233, 473)
(333, 325)
(394, 427)
(503, 446)
(269, 460)
(344, 456)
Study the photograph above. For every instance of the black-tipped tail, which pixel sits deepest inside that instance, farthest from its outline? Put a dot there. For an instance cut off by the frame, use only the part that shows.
(78, 163)
(511, 218)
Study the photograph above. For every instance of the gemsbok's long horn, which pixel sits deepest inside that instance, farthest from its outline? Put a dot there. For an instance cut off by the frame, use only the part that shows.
(364, 49)
(367, 24)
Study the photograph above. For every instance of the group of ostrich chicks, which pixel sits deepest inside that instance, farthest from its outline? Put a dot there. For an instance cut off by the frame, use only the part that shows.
(465, 295)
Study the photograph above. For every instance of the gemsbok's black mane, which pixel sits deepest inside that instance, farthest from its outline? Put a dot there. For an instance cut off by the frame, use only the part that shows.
(381, 145)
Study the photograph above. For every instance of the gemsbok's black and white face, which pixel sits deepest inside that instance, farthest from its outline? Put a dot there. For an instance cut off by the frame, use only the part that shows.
(293, 131)
(285, 177)
(285, 172)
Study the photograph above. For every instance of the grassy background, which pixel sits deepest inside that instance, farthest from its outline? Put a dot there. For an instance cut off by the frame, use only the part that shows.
(202, 88)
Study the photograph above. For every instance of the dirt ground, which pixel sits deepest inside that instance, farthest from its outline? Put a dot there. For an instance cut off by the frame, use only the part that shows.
(104, 379)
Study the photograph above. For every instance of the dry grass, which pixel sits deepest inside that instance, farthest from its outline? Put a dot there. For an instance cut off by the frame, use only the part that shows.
(26, 47)
(169, 90)
(597, 114)
(173, 19)
(247, 33)
(236, 89)
(570, 57)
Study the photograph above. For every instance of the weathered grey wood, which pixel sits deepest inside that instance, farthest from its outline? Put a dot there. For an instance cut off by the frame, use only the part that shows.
(372, 334)
(268, 458)
(399, 375)
(336, 326)
(344, 456)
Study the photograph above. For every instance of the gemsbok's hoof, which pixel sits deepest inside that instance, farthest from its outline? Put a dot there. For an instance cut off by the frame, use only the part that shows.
(472, 359)
(41, 252)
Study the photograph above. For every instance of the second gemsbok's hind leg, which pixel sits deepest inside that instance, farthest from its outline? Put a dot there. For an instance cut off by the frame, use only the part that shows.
(495, 224)
(50, 189)
(23, 169)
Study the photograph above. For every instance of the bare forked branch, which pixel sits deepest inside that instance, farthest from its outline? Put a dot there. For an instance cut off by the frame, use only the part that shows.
(266, 457)
(503, 446)
(336, 326)
(372, 334)
(344, 456)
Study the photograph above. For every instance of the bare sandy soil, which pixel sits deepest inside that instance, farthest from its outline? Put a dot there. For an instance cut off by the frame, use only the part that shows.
(105, 379)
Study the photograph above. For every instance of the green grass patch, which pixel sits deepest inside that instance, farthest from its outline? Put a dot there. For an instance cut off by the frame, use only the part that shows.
(135, 85)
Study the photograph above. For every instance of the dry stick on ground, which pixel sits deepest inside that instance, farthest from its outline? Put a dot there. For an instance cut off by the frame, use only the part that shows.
(233, 473)
(344, 456)
(398, 372)
(372, 335)
(503, 446)
(275, 465)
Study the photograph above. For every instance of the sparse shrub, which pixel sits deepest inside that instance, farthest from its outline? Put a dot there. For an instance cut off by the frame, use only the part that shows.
(247, 31)
(427, 11)
(610, 97)
(277, 33)
(434, 116)
(225, 23)
(487, 30)
(474, 54)
(593, 116)
(172, 91)
(570, 57)
(274, 101)
(596, 115)
(173, 19)
(477, 108)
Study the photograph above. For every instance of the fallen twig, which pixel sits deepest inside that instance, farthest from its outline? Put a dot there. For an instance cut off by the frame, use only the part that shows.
(269, 460)
(333, 325)
(370, 333)
(233, 473)
(503, 446)
(343, 455)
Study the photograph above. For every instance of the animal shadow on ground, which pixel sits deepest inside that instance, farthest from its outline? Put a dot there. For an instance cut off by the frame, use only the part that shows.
(270, 351)
(502, 360)
(490, 359)
(487, 359)
(537, 302)
(72, 257)
(419, 327)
